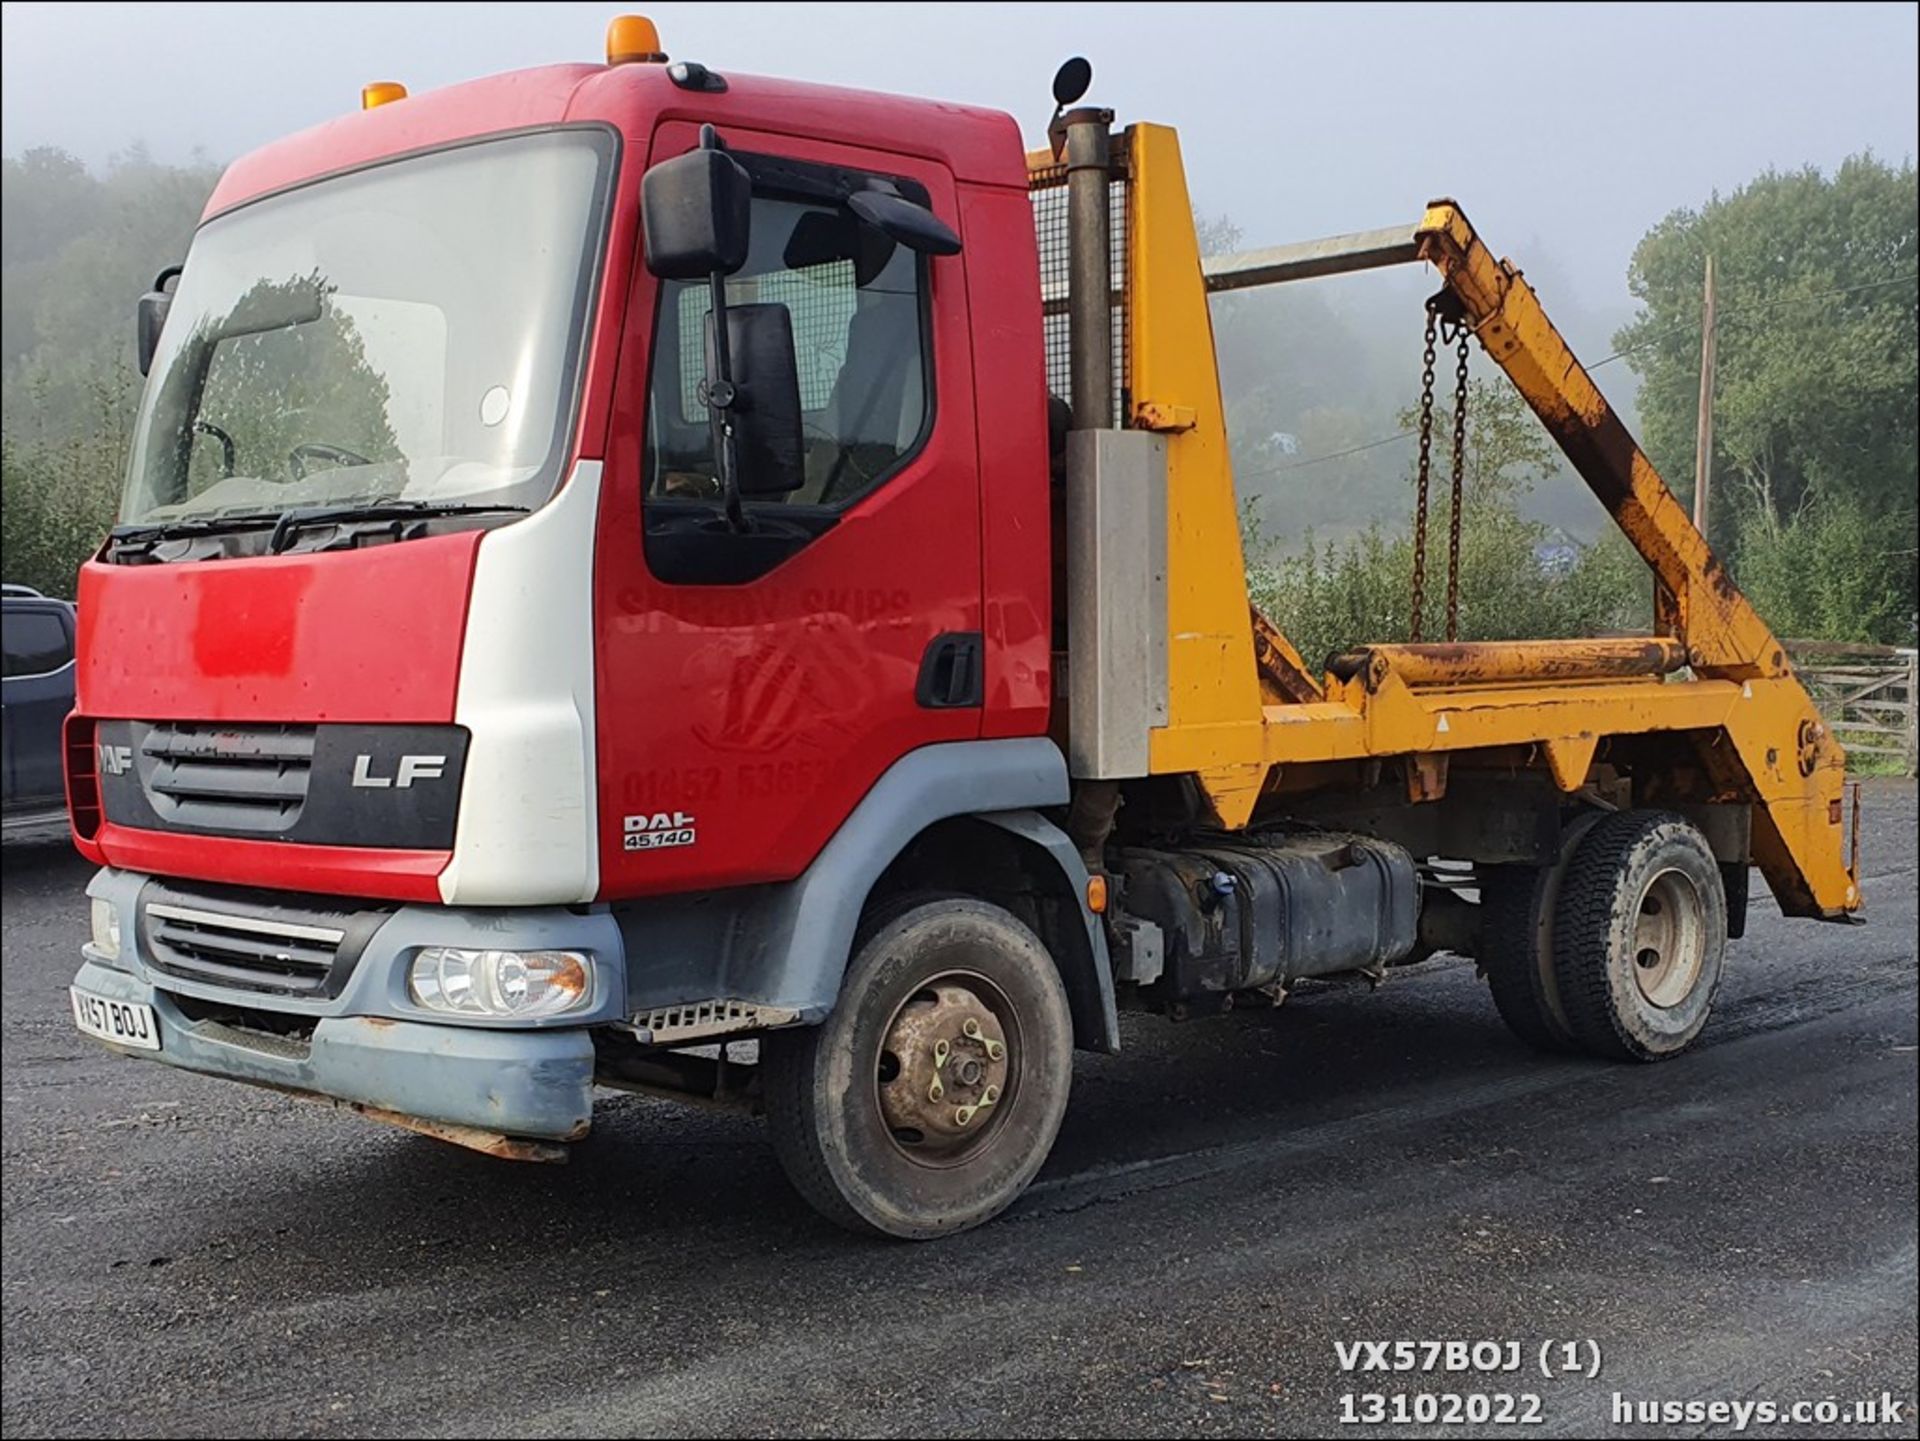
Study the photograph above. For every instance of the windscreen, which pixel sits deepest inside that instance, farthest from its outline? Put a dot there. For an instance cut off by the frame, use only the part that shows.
(408, 332)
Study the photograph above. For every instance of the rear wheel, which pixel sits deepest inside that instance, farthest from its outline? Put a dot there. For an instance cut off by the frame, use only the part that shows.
(1516, 945)
(1639, 936)
(930, 1097)
(1516, 904)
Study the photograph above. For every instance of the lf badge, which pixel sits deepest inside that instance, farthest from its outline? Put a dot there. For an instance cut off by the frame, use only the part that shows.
(659, 830)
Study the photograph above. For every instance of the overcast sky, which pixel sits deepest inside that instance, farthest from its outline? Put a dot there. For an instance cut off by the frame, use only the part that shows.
(1565, 130)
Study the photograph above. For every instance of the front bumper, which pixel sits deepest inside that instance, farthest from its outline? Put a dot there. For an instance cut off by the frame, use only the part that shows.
(513, 1083)
(370, 1046)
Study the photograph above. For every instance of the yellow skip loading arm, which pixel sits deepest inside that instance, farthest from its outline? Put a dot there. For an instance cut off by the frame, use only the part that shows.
(1742, 728)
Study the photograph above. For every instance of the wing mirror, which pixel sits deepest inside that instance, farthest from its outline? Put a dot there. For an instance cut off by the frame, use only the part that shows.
(150, 318)
(697, 210)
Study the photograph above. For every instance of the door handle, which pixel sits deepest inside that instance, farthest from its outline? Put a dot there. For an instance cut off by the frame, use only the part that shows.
(953, 671)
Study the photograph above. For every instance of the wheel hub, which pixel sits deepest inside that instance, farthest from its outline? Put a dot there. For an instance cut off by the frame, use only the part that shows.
(944, 1066)
(1669, 939)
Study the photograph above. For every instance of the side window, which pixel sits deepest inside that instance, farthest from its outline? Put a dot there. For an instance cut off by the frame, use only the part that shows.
(34, 641)
(855, 301)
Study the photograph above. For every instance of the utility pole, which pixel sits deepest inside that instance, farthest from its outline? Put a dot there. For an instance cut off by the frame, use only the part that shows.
(1703, 430)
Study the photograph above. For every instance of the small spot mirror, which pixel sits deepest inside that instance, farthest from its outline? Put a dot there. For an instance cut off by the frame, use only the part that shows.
(898, 218)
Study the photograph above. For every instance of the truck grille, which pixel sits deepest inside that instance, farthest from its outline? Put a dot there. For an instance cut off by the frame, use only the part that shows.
(230, 777)
(260, 945)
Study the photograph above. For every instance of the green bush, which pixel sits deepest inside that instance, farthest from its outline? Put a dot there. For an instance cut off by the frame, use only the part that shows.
(1329, 598)
(57, 500)
(1830, 572)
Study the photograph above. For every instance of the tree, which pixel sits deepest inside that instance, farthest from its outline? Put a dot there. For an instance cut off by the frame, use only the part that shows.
(1817, 391)
(78, 248)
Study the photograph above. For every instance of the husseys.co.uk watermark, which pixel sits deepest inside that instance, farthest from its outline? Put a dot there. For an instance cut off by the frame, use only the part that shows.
(1886, 1409)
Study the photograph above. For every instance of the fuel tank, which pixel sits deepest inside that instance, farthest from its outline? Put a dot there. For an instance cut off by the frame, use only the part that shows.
(1246, 912)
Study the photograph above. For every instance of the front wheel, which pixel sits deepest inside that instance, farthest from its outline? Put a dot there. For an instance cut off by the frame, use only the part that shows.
(930, 1097)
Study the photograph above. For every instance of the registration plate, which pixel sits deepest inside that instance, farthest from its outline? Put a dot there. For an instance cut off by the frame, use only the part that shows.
(125, 1023)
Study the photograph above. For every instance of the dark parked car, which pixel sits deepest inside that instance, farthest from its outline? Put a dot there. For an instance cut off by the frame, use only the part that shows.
(36, 692)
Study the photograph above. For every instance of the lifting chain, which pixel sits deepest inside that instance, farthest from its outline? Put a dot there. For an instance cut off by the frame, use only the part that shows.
(1454, 334)
(1459, 338)
(1423, 473)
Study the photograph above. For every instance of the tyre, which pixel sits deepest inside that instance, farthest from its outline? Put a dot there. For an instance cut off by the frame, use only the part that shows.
(1639, 936)
(1516, 946)
(930, 1097)
(1517, 905)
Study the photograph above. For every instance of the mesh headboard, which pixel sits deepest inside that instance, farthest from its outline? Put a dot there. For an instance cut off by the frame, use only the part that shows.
(1047, 187)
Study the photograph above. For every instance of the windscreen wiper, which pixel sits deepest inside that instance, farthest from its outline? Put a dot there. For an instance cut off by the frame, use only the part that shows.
(295, 520)
(195, 525)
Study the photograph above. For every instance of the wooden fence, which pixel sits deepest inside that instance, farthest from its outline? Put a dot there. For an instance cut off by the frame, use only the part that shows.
(1867, 694)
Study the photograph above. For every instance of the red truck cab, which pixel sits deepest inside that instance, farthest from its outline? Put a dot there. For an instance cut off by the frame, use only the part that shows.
(493, 228)
(442, 741)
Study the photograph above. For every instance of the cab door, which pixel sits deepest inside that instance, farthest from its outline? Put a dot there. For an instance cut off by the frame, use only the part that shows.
(751, 687)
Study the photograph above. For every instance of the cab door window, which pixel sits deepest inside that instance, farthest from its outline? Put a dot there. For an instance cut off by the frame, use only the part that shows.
(857, 303)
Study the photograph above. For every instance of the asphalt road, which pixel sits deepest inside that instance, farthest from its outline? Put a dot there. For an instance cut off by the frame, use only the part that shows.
(1229, 1200)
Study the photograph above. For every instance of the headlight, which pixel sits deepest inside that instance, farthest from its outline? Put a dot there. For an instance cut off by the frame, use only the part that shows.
(106, 929)
(499, 983)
